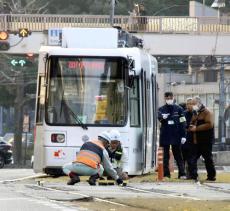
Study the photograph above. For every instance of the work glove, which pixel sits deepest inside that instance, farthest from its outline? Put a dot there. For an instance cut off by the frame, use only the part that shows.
(165, 116)
(124, 176)
(183, 140)
(119, 181)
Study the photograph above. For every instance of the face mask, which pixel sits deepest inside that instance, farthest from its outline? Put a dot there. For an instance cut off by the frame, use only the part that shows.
(195, 107)
(169, 102)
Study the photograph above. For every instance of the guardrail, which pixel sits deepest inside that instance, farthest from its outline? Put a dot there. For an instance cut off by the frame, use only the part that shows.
(154, 24)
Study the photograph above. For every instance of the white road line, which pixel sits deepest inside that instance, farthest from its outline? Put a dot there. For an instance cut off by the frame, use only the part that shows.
(216, 188)
(51, 204)
(23, 178)
(163, 194)
(13, 198)
(80, 194)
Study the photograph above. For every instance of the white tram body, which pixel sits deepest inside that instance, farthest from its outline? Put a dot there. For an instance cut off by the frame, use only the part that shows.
(91, 83)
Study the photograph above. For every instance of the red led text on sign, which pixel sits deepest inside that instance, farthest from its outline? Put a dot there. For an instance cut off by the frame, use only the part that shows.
(86, 65)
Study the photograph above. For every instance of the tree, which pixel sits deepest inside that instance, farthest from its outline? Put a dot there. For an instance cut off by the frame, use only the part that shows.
(24, 6)
(17, 83)
(100, 7)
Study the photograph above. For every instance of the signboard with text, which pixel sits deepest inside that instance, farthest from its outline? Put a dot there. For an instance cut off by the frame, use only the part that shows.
(26, 123)
(54, 36)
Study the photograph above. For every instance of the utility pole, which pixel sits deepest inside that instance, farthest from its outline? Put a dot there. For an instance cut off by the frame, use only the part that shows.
(18, 110)
(112, 9)
(222, 106)
(203, 8)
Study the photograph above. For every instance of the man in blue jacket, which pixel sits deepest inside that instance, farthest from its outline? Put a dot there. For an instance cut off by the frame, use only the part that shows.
(172, 133)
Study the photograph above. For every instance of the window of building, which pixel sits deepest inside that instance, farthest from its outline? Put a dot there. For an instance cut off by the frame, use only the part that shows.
(210, 76)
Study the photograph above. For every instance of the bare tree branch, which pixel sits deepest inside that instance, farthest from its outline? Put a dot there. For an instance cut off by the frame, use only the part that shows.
(45, 5)
(14, 4)
(6, 76)
(8, 5)
(33, 6)
(30, 3)
(45, 11)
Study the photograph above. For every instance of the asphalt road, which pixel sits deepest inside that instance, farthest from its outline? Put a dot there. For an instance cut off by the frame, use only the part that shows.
(17, 200)
(11, 173)
(16, 194)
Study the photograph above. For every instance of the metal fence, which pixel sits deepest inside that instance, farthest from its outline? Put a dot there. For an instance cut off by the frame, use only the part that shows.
(154, 24)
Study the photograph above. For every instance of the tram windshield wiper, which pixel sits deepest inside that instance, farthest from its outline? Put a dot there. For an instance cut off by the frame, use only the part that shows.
(75, 116)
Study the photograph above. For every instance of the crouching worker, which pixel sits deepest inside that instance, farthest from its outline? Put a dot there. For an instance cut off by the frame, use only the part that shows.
(91, 161)
(118, 156)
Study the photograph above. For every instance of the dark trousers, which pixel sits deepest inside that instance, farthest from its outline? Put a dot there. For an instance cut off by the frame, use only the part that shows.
(176, 149)
(186, 154)
(204, 150)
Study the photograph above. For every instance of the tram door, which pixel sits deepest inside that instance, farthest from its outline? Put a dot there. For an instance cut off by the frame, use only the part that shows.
(146, 122)
(154, 116)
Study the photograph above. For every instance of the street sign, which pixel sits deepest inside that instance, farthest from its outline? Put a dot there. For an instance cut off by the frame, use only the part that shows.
(23, 32)
(54, 36)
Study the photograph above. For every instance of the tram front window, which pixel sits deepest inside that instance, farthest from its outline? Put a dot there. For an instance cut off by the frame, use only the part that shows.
(86, 91)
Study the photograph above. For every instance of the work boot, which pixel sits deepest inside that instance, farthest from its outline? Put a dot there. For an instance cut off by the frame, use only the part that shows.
(74, 178)
(92, 180)
(109, 178)
(211, 179)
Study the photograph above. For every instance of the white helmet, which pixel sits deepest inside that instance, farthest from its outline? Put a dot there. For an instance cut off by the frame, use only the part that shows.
(105, 135)
(115, 135)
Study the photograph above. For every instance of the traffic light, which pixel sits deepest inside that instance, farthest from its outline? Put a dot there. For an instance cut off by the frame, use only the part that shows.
(4, 44)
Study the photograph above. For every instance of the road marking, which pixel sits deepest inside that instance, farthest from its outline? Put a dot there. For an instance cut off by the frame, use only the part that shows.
(219, 189)
(14, 198)
(23, 178)
(163, 194)
(51, 204)
(80, 194)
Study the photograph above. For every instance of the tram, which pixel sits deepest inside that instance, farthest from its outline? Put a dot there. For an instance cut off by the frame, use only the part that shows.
(97, 79)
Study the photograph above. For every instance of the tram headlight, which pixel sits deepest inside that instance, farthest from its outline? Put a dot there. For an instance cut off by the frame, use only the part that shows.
(57, 138)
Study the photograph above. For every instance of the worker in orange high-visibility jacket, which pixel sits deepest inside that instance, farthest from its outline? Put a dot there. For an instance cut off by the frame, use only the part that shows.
(91, 161)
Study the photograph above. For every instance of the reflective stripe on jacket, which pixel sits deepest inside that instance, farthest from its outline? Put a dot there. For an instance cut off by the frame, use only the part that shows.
(91, 154)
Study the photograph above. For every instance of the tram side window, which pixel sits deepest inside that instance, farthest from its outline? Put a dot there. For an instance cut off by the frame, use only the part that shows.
(40, 100)
(134, 99)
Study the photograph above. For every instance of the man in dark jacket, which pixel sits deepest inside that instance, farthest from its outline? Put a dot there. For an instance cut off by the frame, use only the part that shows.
(187, 147)
(202, 127)
(172, 133)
